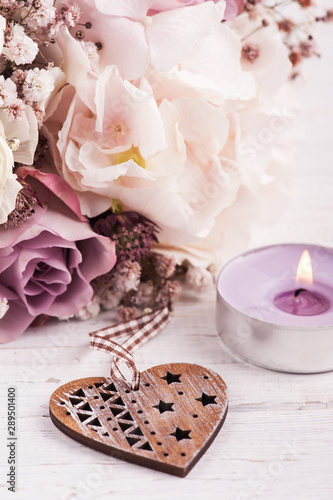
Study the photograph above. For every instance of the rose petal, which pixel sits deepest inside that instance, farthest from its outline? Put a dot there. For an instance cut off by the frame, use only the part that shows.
(58, 186)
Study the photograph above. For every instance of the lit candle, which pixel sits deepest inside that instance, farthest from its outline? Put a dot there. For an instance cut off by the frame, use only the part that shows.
(275, 307)
(303, 299)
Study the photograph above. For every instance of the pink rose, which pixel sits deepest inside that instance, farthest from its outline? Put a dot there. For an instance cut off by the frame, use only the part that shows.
(233, 7)
(47, 263)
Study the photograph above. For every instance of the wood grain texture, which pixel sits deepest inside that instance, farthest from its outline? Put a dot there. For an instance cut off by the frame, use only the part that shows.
(277, 441)
(166, 425)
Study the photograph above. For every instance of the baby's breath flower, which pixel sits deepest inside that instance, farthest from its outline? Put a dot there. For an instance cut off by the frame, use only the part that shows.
(70, 14)
(21, 48)
(38, 85)
(250, 52)
(40, 15)
(165, 266)
(8, 92)
(127, 313)
(15, 110)
(39, 113)
(89, 311)
(168, 293)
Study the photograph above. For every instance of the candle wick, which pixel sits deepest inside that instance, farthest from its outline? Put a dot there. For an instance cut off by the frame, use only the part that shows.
(298, 291)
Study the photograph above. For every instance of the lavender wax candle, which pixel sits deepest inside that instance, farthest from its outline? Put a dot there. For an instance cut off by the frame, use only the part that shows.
(303, 301)
(275, 307)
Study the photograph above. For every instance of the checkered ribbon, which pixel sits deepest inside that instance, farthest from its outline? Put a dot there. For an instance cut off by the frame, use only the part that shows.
(140, 330)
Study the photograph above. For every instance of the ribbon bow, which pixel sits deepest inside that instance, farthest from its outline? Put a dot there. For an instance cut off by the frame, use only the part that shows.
(141, 330)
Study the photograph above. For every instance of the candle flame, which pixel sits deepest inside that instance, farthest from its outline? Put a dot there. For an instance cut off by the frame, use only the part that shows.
(304, 271)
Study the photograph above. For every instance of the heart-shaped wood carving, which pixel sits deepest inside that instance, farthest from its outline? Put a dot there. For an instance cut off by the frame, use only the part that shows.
(167, 424)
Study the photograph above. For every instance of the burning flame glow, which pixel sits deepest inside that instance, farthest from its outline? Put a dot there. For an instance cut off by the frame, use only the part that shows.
(304, 271)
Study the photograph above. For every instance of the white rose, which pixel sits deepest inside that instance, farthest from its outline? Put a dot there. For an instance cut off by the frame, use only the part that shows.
(3, 307)
(24, 133)
(9, 186)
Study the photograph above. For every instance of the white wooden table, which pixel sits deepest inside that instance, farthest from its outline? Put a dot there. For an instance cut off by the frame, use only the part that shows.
(277, 441)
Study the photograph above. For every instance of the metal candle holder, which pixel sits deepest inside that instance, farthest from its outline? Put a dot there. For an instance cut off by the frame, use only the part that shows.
(253, 328)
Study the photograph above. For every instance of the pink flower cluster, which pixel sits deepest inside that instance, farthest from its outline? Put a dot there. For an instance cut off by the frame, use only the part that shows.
(150, 118)
(25, 27)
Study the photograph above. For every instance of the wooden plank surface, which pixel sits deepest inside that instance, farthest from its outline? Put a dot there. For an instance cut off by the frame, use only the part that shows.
(277, 441)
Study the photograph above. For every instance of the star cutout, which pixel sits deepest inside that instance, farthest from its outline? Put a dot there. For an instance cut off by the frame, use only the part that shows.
(207, 400)
(162, 406)
(170, 378)
(179, 434)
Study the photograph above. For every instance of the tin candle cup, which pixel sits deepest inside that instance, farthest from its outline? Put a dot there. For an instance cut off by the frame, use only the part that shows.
(272, 315)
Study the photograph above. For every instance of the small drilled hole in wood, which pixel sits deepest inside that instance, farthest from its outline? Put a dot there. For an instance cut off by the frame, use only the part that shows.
(166, 454)
(183, 454)
(115, 429)
(68, 412)
(108, 419)
(180, 393)
(140, 411)
(62, 402)
(206, 377)
(106, 434)
(127, 391)
(133, 401)
(95, 397)
(153, 433)
(195, 416)
(147, 385)
(102, 407)
(159, 443)
(146, 422)
(90, 387)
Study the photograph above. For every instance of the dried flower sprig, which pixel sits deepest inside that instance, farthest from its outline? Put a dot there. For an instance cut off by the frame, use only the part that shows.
(132, 233)
(295, 20)
(24, 207)
(141, 279)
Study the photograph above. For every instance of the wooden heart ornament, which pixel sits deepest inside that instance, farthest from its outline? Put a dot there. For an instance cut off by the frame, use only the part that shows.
(167, 424)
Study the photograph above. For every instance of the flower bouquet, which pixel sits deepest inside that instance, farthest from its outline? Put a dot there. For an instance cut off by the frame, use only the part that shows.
(140, 139)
